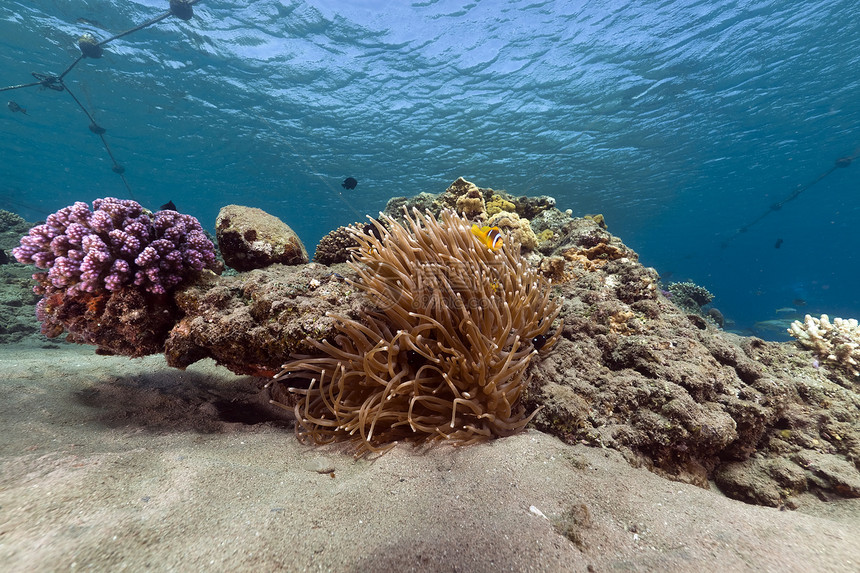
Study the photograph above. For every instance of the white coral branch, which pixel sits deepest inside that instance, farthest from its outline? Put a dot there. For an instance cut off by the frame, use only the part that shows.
(837, 342)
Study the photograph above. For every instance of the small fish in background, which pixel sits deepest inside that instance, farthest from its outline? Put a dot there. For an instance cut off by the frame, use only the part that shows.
(778, 243)
(775, 325)
(169, 206)
(349, 183)
(785, 310)
(798, 302)
(16, 108)
(490, 236)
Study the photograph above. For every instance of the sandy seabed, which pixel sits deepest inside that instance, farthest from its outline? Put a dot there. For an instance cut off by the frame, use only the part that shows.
(111, 464)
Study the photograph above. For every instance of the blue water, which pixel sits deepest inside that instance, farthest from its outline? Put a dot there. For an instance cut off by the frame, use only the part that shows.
(680, 121)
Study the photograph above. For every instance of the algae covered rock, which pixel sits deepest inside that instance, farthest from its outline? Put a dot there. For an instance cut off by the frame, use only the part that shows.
(252, 322)
(249, 238)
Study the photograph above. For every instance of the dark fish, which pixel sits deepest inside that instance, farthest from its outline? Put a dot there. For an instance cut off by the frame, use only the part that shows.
(4, 258)
(778, 244)
(371, 229)
(169, 206)
(798, 302)
(17, 108)
(349, 183)
(539, 341)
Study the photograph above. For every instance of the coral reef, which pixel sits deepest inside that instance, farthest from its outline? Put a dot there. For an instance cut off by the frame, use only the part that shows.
(635, 373)
(836, 342)
(127, 321)
(17, 303)
(249, 238)
(479, 204)
(463, 197)
(588, 247)
(689, 296)
(12, 222)
(630, 370)
(471, 204)
(443, 352)
(598, 218)
(110, 272)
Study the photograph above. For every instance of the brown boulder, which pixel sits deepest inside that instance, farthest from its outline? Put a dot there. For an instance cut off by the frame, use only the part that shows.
(250, 238)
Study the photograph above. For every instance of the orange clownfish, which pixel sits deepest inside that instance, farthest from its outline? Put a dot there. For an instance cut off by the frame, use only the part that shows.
(490, 236)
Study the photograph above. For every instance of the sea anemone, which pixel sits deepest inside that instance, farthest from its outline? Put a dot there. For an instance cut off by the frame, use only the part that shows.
(443, 352)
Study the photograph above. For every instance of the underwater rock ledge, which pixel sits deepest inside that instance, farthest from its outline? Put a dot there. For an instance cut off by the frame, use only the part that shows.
(631, 371)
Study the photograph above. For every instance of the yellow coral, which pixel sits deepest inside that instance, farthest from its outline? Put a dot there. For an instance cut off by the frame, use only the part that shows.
(598, 218)
(595, 257)
(545, 235)
(497, 205)
(619, 322)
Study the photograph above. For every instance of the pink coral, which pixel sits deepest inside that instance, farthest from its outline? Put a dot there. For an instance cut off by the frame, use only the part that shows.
(117, 243)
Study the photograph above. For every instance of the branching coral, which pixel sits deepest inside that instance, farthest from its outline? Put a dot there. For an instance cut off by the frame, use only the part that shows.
(443, 354)
(837, 342)
(111, 272)
(689, 296)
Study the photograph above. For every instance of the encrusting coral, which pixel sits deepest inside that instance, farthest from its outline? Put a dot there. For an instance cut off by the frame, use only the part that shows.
(837, 342)
(444, 353)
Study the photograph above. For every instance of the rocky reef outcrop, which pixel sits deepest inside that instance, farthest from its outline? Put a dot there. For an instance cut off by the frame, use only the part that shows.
(632, 370)
(249, 238)
(17, 299)
(253, 322)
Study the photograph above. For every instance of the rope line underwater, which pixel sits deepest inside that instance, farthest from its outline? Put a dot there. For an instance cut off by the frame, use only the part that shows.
(91, 48)
(840, 163)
